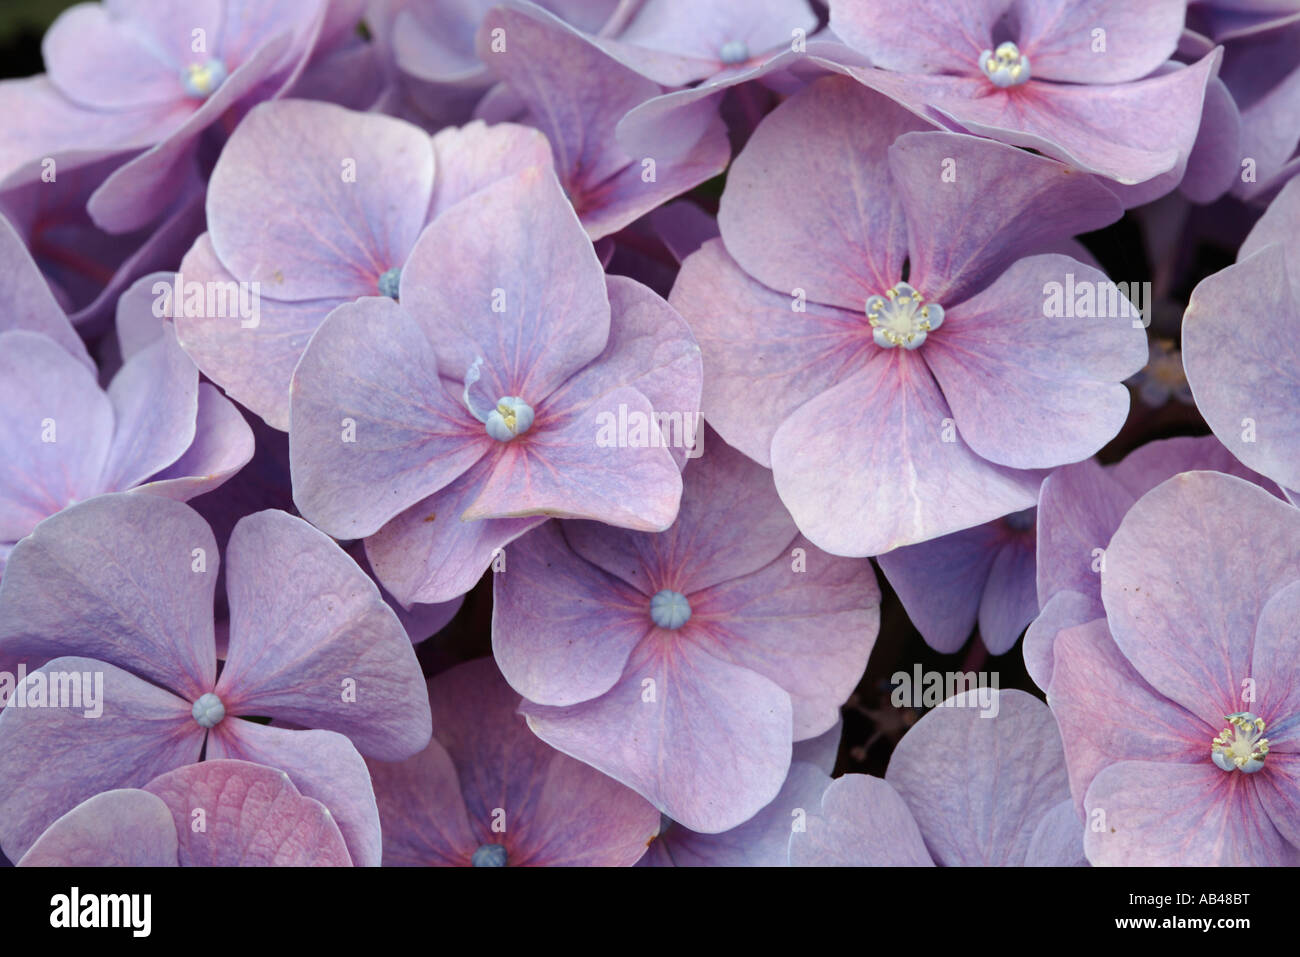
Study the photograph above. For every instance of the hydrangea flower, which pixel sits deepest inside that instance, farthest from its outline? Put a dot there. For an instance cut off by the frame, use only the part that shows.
(550, 70)
(962, 790)
(1179, 710)
(66, 439)
(219, 813)
(320, 206)
(487, 793)
(443, 426)
(1249, 394)
(1080, 507)
(895, 407)
(983, 574)
(121, 587)
(685, 664)
(166, 73)
(1071, 79)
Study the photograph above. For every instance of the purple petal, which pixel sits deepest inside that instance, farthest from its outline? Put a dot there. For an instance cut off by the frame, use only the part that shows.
(762, 841)
(683, 227)
(134, 321)
(56, 431)
(1128, 132)
(552, 68)
(978, 784)
(1009, 602)
(1059, 37)
(1108, 714)
(142, 189)
(1186, 627)
(1275, 666)
(1277, 225)
(125, 578)
(563, 469)
(313, 643)
(155, 400)
(476, 155)
(828, 145)
(822, 751)
(253, 816)
(1058, 839)
(958, 240)
(862, 822)
(283, 210)
(322, 765)
(422, 811)
(707, 742)
(146, 48)
(651, 349)
(941, 582)
(1279, 792)
(1213, 167)
(1243, 375)
(1027, 389)
(1185, 815)
(562, 628)
(1065, 609)
(223, 444)
(864, 467)
(421, 621)
(122, 828)
(1147, 466)
(516, 243)
(695, 39)
(1079, 508)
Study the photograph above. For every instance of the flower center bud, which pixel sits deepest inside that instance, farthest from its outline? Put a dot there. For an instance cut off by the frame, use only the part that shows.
(208, 711)
(670, 609)
(512, 416)
(1241, 746)
(733, 52)
(1005, 66)
(201, 80)
(901, 317)
(490, 855)
(390, 281)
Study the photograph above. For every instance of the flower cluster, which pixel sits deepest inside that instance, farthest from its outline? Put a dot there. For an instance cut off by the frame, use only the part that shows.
(468, 432)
